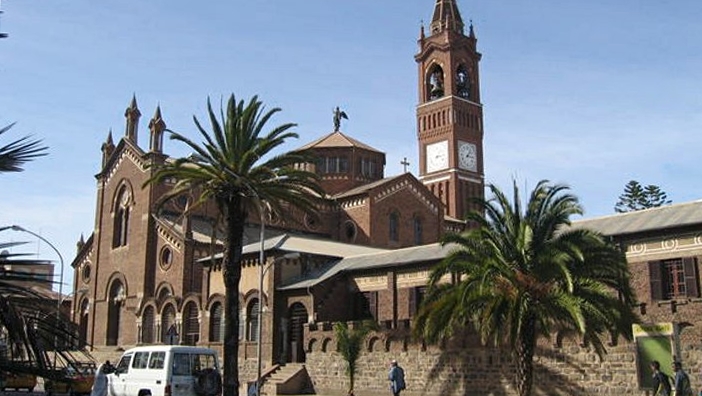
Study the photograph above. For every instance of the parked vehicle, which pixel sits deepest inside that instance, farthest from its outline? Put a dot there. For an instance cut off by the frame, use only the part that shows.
(19, 381)
(166, 370)
(78, 380)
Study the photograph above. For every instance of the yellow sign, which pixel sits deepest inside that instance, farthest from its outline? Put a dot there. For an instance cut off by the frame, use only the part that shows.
(653, 329)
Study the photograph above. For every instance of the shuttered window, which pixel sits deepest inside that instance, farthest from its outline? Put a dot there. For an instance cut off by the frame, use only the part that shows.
(252, 321)
(674, 278)
(216, 323)
(415, 299)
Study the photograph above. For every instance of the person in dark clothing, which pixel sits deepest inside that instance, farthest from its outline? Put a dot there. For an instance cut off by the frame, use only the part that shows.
(661, 384)
(396, 376)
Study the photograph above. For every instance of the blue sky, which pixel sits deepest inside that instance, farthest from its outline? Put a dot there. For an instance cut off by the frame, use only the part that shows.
(589, 93)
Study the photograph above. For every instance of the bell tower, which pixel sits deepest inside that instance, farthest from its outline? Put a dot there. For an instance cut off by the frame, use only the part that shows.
(449, 113)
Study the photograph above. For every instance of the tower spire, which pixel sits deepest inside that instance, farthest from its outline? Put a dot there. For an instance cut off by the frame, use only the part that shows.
(446, 17)
(157, 126)
(132, 115)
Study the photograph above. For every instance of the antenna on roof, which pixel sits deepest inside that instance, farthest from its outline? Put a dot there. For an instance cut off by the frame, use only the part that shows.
(2, 35)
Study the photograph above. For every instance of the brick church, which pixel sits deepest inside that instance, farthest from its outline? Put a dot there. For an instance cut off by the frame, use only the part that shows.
(152, 275)
(144, 276)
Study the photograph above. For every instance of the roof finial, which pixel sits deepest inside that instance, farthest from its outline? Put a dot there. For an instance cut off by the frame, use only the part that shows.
(338, 115)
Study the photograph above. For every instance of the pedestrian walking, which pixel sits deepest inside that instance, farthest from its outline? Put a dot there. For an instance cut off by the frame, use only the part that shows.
(100, 382)
(661, 384)
(681, 382)
(396, 376)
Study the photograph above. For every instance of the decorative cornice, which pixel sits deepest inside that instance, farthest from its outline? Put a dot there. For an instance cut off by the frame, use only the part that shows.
(128, 153)
(672, 244)
(167, 234)
(404, 184)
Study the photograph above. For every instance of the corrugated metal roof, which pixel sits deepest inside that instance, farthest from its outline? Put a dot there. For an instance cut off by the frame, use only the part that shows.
(311, 245)
(663, 217)
(416, 254)
(306, 245)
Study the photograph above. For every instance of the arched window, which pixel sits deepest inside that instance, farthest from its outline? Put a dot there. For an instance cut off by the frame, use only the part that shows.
(252, 321)
(147, 325)
(169, 332)
(417, 225)
(394, 225)
(435, 83)
(216, 322)
(463, 83)
(121, 217)
(191, 324)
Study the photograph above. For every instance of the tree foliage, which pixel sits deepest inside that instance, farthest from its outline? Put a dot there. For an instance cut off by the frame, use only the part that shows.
(638, 197)
(523, 273)
(350, 345)
(35, 336)
(236, 168)
(18, 152)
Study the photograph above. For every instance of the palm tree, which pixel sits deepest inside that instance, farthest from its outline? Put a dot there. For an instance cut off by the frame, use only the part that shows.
(522, 275)
(350, 343)
(33, 335)
(229, 168)
(18, 152)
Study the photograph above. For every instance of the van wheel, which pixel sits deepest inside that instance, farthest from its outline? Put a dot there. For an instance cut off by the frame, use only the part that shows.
(145, 393)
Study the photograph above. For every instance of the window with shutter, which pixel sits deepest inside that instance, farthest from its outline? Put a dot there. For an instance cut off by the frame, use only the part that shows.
(691, 277)
(674, 278)
(416, 298)
(252, 321)
(216, 322)
(654, 275)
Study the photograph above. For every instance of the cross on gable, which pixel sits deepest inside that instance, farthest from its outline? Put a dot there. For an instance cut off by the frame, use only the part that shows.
(405, 164)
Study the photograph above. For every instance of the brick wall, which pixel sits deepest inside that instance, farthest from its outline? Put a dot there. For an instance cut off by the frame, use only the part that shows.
(568, 370)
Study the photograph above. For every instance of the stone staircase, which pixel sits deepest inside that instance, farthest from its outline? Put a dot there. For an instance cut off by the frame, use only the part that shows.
(290, 379)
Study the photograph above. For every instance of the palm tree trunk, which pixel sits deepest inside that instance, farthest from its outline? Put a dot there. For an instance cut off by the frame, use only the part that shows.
(231, 271)
(525, 357)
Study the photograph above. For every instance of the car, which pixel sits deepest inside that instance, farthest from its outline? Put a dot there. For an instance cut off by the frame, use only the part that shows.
(78, 380)
(166, 370)
(19, 381)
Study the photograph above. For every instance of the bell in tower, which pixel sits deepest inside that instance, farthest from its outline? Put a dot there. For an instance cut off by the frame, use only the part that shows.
(449, 113)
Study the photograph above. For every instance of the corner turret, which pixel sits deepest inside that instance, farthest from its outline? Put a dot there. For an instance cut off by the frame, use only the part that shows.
(132, 114)
(157, 126)
(107, 148)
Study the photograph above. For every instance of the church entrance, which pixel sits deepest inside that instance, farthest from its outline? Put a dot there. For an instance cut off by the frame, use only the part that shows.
(297, 315)
(117, 297)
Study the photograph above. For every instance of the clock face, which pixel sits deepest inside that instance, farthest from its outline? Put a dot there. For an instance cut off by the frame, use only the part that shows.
(437, 156)
(467, 156)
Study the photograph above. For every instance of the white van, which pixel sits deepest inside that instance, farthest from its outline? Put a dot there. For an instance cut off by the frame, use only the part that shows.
(166, 370)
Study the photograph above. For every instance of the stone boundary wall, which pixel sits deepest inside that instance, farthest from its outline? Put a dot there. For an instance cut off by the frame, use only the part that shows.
(568, 370)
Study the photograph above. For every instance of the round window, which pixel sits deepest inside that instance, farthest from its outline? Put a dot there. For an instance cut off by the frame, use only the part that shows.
(86, 273)
(166, 257)
(350, 231)
(311, 221)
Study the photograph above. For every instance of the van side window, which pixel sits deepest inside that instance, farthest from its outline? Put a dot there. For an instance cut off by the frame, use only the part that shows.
(157, 359)
(123, 365)
(140, 360)
(181, 364)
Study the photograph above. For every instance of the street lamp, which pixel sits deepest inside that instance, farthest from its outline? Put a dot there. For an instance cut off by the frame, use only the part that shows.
(261, 272)
(60, 287)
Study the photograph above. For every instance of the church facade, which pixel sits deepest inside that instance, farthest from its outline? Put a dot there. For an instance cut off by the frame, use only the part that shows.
(151, 274)
(142, 276)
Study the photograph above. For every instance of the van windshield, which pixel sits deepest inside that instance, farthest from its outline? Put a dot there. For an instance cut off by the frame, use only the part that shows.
(192, 363)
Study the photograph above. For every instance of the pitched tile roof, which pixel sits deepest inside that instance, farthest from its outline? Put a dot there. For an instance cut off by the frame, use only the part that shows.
(337, 139)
